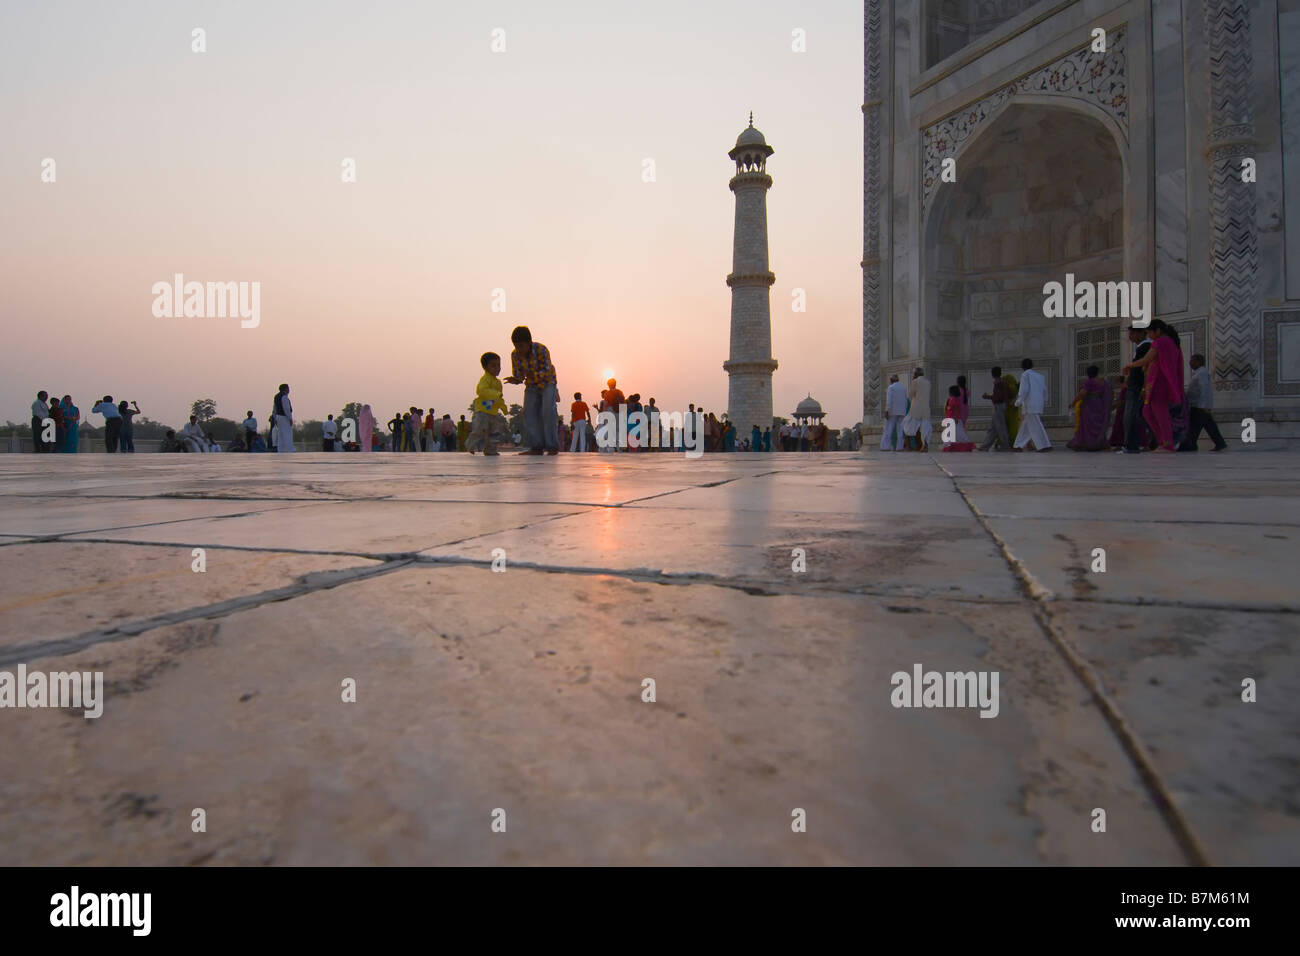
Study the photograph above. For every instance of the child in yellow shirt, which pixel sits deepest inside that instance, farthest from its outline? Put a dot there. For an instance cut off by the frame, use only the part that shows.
(489, 423)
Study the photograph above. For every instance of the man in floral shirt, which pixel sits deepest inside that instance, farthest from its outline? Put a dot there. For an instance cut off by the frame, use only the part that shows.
(530, 365)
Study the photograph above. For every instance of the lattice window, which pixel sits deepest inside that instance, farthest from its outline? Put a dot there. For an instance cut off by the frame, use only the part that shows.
(1099, 346)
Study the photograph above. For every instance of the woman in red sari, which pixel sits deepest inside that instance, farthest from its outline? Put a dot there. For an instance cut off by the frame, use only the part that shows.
(1164, 384)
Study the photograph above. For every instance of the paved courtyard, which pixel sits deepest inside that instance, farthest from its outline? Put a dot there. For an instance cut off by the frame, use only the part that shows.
(521, 691)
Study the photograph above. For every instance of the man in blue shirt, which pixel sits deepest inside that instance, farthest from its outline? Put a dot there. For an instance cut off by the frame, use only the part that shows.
(1200, 399)
(112, 422)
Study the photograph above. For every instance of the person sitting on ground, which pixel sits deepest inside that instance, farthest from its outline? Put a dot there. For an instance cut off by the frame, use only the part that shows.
(192, 436)
(170, 442)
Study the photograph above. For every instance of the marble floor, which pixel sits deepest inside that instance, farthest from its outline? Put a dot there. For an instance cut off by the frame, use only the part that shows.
(499, 620)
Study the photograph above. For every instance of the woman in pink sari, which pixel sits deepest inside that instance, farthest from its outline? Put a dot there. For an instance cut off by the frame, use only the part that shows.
(1094, 413)
(366, 426)
(1164, 384)
(956, 409)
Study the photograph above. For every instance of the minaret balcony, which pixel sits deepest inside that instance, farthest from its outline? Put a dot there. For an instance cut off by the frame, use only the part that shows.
(750, 180)
(762, 366)
(752, 279)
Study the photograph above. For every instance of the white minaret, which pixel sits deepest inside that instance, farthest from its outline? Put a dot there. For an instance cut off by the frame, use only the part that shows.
(749, 392)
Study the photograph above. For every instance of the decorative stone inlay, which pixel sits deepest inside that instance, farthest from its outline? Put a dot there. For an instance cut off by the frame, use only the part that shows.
(1098, 78)
(1278, 379)
(1008, 343)
(874, 199)
(1234, 244)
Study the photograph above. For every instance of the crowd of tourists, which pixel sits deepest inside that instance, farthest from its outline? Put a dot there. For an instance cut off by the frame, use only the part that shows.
(56, 423)
(1147, 407)
(543, 431)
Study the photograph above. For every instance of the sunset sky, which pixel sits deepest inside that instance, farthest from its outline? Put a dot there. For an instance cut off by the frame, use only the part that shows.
(476, 170)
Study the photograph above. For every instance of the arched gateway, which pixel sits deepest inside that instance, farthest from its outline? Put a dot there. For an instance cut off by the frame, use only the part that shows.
(1103, 141)
(1040, 194)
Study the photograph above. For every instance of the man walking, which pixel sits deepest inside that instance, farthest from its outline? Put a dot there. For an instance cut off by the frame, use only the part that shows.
(283, 421)
(895, 411)
(40, 412)
(917, 422)
(998, 426)
(1200, 398)
(530, 365)
(1135, 428)
(1032, 399)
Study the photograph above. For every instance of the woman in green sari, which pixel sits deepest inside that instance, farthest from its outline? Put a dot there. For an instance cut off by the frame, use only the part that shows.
(1013, 412)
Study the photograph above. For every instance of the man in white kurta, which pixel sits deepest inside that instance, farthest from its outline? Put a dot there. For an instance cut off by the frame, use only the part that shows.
(283, 421)
(192, 436)
(895, 410)
(1031, 399)
(917, 421)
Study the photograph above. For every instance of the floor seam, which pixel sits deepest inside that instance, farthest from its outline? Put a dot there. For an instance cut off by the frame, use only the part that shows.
(306, 584)
(1039, 597)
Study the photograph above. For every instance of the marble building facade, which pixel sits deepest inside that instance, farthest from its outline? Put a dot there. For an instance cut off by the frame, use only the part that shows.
(1118, 165)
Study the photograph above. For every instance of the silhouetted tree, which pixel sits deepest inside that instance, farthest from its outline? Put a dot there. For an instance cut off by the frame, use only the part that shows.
(205, 409)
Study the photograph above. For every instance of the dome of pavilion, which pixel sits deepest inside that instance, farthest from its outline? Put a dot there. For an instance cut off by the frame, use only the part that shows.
(809, 408)
(751, 149)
